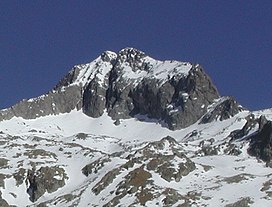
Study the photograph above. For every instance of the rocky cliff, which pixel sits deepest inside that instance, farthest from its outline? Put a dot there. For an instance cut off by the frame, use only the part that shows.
(126, 84)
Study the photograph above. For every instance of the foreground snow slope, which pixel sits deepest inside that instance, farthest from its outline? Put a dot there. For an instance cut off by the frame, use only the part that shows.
(74, 140)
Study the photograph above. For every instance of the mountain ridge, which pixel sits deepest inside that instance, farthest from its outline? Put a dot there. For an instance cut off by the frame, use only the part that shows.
(125, 84)
(129, 130)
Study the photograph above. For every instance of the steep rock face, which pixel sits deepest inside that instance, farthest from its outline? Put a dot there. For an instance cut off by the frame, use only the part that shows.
(191, 98)
(223, 109)
(177, 93)
(261, 142)
(130, 83)
(242, 133)
(54, 102)
(94, 95)
(66, 96)
(48, 179)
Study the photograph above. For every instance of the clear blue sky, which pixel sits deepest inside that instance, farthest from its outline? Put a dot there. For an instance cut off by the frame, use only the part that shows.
(40, 41)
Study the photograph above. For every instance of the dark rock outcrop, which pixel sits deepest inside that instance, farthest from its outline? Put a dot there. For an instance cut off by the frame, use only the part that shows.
(226, 107)
(3, 203)
(261, 141)
(191, 98)
(46, 179)
(243, 202)
(179, 101)
(55, 102)
(242, 133)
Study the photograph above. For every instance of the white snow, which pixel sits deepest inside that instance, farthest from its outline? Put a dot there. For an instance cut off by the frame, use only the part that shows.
(159, 70)
(102, 136)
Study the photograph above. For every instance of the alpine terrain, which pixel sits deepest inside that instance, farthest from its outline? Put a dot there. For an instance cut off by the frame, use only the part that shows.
(129, 130)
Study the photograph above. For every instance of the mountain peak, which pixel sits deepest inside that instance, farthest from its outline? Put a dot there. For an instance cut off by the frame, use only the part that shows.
(132, 57)
(108, 56)
(126, 54)
(130, 51)
(126, 84)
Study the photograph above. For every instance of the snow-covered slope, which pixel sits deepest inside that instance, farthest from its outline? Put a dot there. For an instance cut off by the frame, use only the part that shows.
(80, 160)
(73, 140)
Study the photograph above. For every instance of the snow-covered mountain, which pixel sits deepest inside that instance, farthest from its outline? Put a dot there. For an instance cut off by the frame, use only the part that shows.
(129, 130)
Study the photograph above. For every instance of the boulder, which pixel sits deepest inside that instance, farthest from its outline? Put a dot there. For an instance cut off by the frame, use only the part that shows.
(46, 179)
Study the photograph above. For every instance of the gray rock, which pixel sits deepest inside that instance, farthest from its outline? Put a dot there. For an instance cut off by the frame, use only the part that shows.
(3, 203)
(243, 202)
(242, 133)
(55, 102)
(262, 121)
(68, 79)
(117, 122)
(261, 142)
(95, 166)
(179, 101)
(209, 150)
(3, 163)
(226, 108)
(201, 93)
(19, 176)
(46, 179)
(171, 197)
(94, 101)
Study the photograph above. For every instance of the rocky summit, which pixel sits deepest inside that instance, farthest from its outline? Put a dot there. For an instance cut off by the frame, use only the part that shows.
(127, 84)
(129, 130)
